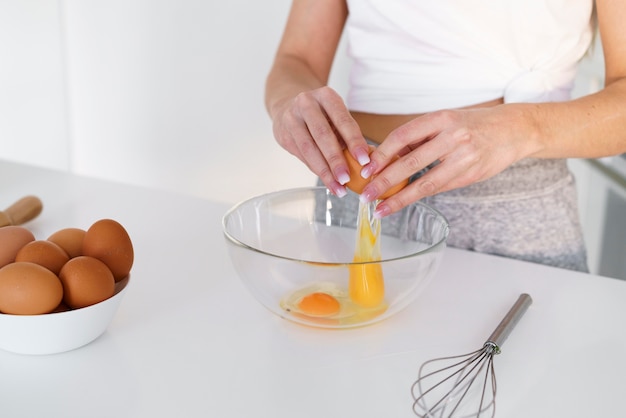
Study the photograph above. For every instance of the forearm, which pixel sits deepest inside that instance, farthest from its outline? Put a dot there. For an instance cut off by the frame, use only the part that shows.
(307, 50)
(289, 77)
(309, 119)
(589, 127)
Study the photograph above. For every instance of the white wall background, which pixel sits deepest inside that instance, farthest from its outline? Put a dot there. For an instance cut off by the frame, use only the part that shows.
(162, 93)
(167, 94)
(33, 113)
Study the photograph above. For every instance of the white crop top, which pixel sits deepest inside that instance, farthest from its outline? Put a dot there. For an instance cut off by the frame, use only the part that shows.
(415, 56)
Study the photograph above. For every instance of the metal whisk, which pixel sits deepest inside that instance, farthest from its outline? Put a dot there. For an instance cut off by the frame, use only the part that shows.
(444, 386)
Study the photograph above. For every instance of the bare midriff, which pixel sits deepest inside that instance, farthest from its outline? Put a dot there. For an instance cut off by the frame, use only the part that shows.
(376, 127)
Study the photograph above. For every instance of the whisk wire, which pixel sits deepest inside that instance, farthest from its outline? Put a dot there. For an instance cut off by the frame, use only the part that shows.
(457, 387)
(488, 372)
(491, 375)
(463, 373)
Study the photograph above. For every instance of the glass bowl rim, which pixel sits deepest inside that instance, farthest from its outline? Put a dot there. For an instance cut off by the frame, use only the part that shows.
(239, 243)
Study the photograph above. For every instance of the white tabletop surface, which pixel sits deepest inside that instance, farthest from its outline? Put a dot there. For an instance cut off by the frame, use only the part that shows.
(190, 341)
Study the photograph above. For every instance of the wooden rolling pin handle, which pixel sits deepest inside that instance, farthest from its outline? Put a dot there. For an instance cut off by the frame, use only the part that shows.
(22, 211)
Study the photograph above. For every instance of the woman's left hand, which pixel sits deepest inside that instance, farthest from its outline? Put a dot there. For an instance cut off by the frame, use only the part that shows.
(469, 146)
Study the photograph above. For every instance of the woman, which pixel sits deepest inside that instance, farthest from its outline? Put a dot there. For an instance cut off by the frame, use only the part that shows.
(477, 91)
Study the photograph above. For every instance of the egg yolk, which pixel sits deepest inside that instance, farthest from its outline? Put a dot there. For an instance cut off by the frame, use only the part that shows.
(319, 304)
(366, 285)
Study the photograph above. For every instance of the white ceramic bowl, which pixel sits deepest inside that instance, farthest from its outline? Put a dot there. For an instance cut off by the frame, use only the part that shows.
(59, 332)
(303, 240)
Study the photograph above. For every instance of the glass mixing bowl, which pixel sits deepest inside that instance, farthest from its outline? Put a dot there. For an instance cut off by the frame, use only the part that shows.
(295, 243)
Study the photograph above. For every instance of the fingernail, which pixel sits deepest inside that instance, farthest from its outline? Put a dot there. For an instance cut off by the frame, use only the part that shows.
(367, 196)
(340, 191)
(343, 177)
(362, 157)
(367, 171)
(381, 211)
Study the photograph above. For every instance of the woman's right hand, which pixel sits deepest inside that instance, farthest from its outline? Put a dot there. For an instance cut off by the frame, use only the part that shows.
(316, 126)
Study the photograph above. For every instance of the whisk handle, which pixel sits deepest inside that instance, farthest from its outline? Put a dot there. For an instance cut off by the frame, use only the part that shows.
(502, 331)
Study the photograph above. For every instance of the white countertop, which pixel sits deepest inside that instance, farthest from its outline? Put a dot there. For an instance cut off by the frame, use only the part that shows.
(190, 341)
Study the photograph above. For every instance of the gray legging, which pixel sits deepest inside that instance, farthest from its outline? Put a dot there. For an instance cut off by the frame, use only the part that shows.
(528, 212)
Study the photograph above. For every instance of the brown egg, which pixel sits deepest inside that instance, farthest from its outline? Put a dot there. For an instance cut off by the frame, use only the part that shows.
(28, 289)
(45, 253)
(358, 183)
(61, 308)
(12, 239)
(109, 242)
(70, 239)
(86, 281)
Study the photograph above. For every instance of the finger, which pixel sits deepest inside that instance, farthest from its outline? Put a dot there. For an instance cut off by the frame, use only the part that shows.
(427, 185)
(317, 164)
(285, 139)
(450, 174)
(345, 126)
(326, 150)
(294, 136)
(407, 137)
(404, 167)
